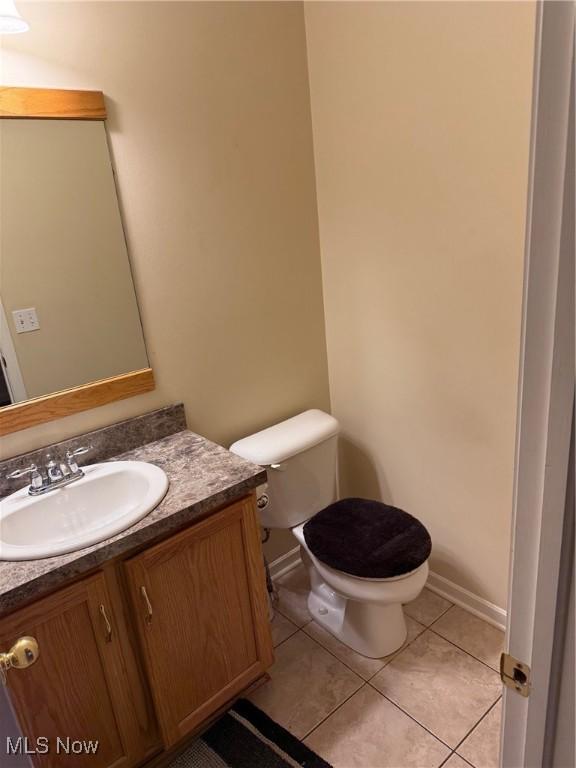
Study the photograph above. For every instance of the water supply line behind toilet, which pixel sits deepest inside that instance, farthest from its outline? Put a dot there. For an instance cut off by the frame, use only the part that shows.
(262, 501)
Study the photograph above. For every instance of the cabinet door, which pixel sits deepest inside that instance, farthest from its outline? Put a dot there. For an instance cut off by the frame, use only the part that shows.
(201, 608)
(78, 689)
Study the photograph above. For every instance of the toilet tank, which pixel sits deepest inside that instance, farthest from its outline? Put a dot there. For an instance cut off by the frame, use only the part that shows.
(300, 455)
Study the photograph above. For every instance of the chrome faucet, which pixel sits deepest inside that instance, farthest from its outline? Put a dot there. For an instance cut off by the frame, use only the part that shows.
(55, 474)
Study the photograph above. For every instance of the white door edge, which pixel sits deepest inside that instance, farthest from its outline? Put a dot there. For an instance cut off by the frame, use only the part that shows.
(546, 394)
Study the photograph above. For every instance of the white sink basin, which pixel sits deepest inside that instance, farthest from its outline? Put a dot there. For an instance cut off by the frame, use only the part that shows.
(108, 499)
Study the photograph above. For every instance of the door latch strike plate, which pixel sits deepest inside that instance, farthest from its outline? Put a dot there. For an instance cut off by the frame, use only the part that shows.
(515, 674)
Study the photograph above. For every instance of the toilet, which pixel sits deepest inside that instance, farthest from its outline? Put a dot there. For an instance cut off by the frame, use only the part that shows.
(364, 559)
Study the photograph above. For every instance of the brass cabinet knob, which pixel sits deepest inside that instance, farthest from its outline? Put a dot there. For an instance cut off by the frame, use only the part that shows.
(23, 653)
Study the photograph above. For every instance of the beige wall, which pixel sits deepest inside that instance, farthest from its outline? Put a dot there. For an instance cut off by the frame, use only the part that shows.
(63, 252)
(421, 115)
(211, 137)
(421, 122)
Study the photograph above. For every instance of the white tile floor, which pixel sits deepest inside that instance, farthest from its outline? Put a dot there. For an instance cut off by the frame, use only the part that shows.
(435, 702)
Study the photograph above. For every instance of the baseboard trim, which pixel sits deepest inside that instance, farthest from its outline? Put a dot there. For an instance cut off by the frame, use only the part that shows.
(470, 602)
(285, 563)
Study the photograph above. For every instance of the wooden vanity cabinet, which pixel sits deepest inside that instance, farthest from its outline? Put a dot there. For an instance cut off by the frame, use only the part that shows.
(81, 687)
(201, 609)
(184, 623)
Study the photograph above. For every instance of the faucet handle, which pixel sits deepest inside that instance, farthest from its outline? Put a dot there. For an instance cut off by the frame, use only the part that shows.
(21, 472)
(78, 451)
(71, 457)
(35, 476)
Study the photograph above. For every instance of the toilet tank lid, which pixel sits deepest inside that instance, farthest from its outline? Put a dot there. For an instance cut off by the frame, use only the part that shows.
(288, 438)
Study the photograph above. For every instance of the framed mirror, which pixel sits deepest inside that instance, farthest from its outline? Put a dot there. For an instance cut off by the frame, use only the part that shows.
(70, 330)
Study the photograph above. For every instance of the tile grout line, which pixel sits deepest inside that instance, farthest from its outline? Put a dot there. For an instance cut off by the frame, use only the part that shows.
(333, 711)
(397, 653)
(431, 625)
(451, 755)
(490, 708)
(463, 650)
(297, 629)
(444, 612)
(400, 650)
(319, 644)
(364, 683)
(394, 655)
(369, 683)
(437, 619)
(331, 654)
(284, 640)
(459, 744)
(410, 716)
(441, 615)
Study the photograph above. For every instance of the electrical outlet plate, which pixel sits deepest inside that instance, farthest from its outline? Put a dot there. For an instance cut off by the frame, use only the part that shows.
(26, 320)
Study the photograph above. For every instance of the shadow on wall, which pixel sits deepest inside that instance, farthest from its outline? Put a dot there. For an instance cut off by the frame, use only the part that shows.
(358, 475)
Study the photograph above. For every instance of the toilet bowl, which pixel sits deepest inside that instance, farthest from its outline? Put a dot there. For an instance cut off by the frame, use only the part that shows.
(364, 614)
(300, 455)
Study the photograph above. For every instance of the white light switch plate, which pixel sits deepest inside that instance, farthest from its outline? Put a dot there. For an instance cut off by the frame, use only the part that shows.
(26, 320)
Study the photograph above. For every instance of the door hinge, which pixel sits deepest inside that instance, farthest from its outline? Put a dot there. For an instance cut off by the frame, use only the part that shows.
(515, 674)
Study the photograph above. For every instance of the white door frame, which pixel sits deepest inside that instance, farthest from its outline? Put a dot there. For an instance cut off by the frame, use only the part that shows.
(10, 365)
(546, 393)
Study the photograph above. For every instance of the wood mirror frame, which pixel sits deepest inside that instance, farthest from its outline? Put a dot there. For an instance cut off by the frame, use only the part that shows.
(59, 104)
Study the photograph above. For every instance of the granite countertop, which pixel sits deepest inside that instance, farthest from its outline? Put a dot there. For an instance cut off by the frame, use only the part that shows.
(203, 477)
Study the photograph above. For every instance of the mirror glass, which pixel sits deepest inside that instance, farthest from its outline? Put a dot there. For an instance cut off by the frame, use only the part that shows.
(68, 309)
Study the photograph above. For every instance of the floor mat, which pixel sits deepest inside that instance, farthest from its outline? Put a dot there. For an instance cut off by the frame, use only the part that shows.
(245, 737)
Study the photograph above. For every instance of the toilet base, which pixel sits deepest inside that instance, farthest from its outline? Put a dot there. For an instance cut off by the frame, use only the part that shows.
(364, 614)
(370, 629)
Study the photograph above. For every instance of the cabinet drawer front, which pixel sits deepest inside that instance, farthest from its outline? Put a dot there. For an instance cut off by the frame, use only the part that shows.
(194, 597)
(71, 692)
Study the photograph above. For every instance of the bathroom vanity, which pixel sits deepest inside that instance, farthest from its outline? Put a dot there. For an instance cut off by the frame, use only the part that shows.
(144, 637)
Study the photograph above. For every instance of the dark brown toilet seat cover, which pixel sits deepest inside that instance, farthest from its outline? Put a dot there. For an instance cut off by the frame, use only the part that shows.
(368, 539)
